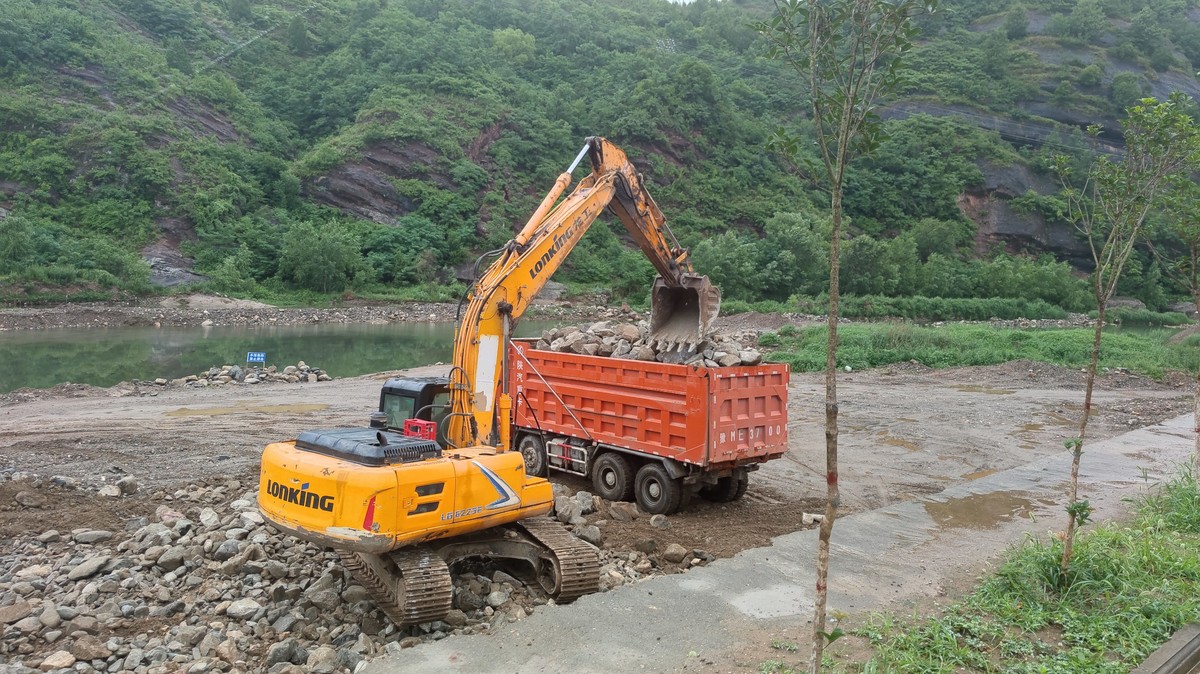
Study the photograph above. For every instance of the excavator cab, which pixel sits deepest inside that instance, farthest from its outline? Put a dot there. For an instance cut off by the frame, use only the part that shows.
(682, 316)
(423, 399)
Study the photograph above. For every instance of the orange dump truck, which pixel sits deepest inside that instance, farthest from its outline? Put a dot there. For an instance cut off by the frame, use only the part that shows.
(652, 432)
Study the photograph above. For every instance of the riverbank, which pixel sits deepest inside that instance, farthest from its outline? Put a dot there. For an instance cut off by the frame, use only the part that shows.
(211, 310)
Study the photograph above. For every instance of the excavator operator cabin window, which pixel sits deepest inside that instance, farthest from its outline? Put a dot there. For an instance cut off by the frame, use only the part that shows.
(398, 409)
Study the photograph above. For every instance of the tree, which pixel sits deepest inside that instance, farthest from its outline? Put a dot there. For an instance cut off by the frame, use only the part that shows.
(177, 56)
(1016, 22)
(1162, 144)
(849, 52)
(319, 258)
(239, 10)
(513, 45)
(1181, 263)
(297, 36)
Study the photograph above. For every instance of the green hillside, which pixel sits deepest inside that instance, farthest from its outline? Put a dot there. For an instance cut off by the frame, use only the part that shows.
(303, 149)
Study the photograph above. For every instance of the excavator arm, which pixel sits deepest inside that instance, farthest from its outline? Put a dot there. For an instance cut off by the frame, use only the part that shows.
(682, 309)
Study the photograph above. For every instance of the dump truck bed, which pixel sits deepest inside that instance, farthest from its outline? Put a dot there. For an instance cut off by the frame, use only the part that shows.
(709, 417)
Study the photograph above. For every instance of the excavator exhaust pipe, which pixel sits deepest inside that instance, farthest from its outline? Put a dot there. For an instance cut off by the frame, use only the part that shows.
(681, 317)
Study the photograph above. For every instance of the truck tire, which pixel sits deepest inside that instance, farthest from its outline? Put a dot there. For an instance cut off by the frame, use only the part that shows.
(657, 492)
(533, 450)
(612, 477)
(727, 489)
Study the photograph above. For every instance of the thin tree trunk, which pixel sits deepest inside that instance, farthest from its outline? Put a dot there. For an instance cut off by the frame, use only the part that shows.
(1196, 405)
(1073, 491)
(831, 437)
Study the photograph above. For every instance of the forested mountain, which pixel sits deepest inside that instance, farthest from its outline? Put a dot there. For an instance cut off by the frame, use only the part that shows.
(272, 146)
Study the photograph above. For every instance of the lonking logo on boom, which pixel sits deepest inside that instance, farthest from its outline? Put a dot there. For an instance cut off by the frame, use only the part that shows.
(301, 497)
(559, 240)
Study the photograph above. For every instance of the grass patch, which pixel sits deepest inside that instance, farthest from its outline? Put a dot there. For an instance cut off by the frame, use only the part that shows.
(1144, 317)
(875, 345)
(933, 308)
(1129, 588)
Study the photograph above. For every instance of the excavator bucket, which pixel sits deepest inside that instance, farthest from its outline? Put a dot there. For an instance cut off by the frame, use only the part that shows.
(681, 317)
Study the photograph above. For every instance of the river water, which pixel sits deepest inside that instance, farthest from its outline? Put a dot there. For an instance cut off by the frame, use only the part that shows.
(107, 356)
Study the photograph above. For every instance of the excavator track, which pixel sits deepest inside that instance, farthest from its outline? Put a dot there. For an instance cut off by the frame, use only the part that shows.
(411, 586)
(577, 563)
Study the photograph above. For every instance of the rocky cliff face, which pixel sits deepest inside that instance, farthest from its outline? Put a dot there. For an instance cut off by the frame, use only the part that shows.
(1017, 231)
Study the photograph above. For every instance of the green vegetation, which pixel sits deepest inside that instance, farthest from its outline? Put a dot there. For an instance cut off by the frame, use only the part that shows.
(1130, 587)
(876, 345)
(225, 125)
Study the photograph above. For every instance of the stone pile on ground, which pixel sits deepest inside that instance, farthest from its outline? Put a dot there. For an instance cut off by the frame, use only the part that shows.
(631, 341)
(204, 585)
(230, 374)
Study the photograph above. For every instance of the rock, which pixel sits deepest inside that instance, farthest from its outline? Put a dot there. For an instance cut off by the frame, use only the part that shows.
(566, 509)
(591, 534)
(675, 553)
(12, 613)
(623, 511)
(171, 559)
(628, 332)
(209, 517)
(586, 502)
(51, 536)
(92, 536)
(228, 651)
(30, 499)
(282, 651)
(242, 609)
(323, 660)
(88, 567)
(497, 598)
(466, 600)
(750, 357)
(88, 647)
(456, 618)
(111, 491)
(660, 522)
(227, 550)
(128, 485)
(647, 546)
(325, 599)
(727, 359)
(643, 353)
(167, 515)
(811, 518)
(57, 660)
(49, 616)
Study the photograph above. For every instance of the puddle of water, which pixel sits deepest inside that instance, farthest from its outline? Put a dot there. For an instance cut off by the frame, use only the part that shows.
(1032, 427)
(981, 511)
(1060, 419)
(249, 409)
(906, 420)
(892, 440)
(976, 388)
(980, 473)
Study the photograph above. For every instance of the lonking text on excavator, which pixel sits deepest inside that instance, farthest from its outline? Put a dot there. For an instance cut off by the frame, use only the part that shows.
(431, 481)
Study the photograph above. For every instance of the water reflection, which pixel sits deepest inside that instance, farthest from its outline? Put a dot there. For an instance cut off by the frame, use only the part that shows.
(106, 356)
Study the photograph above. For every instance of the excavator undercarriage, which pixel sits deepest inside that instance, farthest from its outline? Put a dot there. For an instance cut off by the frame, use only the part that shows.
(413, 585)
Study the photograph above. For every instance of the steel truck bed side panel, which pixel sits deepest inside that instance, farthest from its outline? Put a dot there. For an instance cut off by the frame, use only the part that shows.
(696, 415)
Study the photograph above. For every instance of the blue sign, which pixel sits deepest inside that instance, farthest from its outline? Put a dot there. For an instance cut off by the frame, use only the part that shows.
(256, 357)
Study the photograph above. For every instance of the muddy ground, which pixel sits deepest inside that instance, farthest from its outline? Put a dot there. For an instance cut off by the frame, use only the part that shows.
(906, 430)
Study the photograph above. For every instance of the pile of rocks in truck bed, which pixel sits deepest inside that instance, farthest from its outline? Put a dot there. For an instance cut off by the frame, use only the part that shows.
(202, 584)
(631, 341)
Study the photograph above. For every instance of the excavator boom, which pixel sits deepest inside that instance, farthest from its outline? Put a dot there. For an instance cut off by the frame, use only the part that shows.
(683, 306)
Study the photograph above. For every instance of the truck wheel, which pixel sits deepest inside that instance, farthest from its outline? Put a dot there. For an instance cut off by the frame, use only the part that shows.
(612, 477)
(727, 489)
(533, 450)
(657, 492)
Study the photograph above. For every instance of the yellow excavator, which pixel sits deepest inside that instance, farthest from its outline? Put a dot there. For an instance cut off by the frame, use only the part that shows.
(431, 481)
